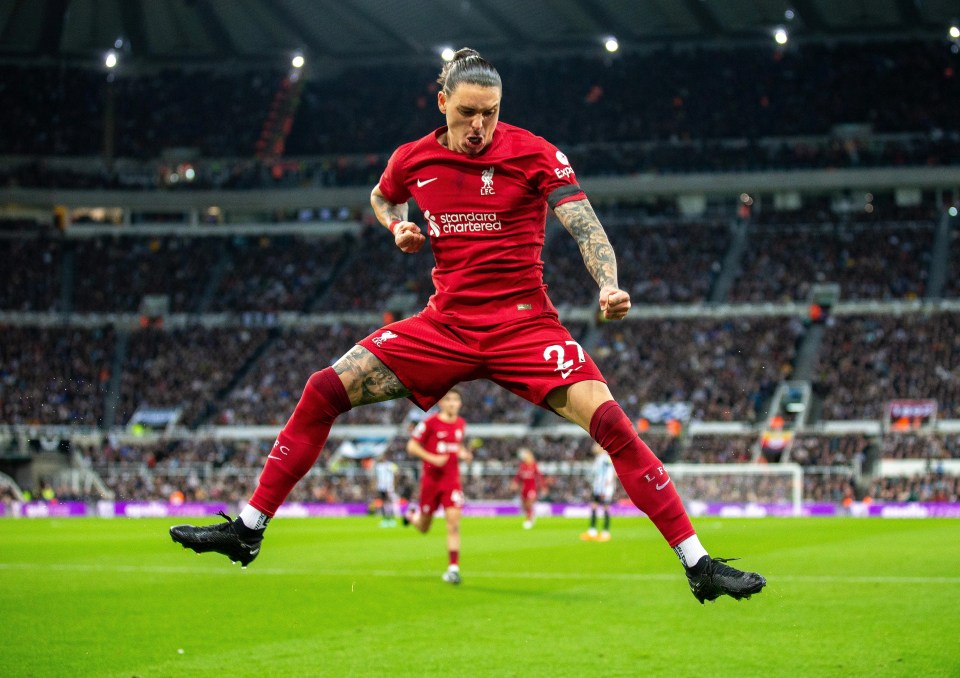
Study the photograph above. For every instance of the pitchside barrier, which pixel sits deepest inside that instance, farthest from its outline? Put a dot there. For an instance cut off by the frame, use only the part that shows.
(486, 509)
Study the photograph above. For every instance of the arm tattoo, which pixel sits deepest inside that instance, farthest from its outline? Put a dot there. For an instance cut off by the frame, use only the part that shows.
(367, 379)
(385, 210)
(582, 223)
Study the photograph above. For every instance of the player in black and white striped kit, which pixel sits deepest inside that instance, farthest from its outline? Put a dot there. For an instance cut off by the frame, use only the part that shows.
(602, 487)
(386, 472)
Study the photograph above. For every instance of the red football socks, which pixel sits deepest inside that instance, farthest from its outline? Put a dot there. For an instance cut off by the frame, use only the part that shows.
(641, 473)
(299, 444)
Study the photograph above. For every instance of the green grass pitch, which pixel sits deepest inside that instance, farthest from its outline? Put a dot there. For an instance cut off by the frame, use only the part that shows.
(343, 597)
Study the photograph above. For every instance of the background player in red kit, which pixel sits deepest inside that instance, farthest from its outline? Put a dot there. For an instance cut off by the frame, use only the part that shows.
(484, 187)
(529, 481)
(438, 441)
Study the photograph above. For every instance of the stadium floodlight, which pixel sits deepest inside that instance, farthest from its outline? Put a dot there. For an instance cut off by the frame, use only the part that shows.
(954, 32)
(447, 53)
(110, 59)
(297, 61)
(611, 44)
(781, 35)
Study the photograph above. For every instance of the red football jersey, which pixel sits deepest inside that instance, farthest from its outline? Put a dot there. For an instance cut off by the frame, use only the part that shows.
(485, 216)
(528, 476)
(441, 437)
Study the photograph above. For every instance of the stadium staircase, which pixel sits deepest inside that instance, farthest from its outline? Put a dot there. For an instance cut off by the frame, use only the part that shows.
(217, 274)
(112, 396)
(211, 407)
(730, 268)
(804, 365)
(939, 259)
(67, 267)
(354, 250)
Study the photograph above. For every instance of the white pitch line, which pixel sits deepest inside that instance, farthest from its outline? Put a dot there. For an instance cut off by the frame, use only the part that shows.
(570, 576)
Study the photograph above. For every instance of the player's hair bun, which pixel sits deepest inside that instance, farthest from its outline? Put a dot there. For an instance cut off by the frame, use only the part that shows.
(468, 66)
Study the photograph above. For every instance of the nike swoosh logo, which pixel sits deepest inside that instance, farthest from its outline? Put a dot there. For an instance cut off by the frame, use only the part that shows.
(660, 487)
(421, 184)
(255, 551)
(270, 456)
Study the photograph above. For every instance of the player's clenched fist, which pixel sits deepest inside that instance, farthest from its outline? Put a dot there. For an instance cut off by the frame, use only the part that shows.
(407, 236)
(614, 303)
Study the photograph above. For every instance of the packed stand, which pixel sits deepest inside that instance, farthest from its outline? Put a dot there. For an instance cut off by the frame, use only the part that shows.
(55, 375)
(683, 94)
(276, 273)
(183, 368)
(717, 449)
(113, 274)
(376, 272)
(839, 487)
(227, 471)
(659, 263)
(56, 110)
(670, 263)
(824, 451)
(695, 94)
(33, 268)
(726, 369)
(935, 487)
(269, 392)
(877, 261)
(867, 361)
(920, 446)
(588, 159)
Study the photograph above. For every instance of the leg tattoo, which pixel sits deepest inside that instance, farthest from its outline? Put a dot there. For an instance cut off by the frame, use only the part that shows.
(368, 380)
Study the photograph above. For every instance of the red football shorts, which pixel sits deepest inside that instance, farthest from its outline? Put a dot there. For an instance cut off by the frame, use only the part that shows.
(528, 358)
(529, 493)
(433, 496)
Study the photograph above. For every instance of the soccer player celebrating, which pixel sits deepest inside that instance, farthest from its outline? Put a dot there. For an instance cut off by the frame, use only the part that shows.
(438, 441)
(529, 480)
(484, 188)
(602, 487)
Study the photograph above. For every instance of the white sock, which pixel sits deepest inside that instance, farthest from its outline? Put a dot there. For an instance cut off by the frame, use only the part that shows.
(690, 551)
(453, 568)
(254, 519)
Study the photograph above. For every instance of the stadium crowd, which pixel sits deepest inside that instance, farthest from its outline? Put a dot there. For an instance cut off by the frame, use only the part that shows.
(700, 113)
(197, 470)
(875, 261)
(699, 361)
(867, 361)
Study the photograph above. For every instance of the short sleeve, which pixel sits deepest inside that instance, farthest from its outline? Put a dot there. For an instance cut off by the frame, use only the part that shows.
(393, 180)
(554, 175)
(421, 429)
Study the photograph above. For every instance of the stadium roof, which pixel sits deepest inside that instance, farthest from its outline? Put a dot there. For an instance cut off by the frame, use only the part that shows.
(178, 32)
